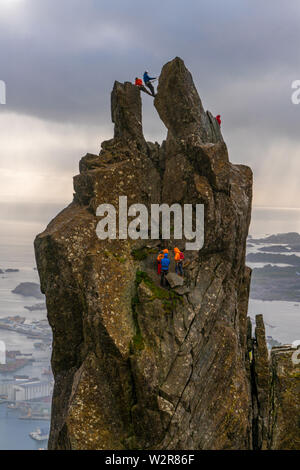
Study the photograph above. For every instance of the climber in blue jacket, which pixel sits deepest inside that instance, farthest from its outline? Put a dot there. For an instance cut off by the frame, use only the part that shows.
(165, 262)
(147, 81)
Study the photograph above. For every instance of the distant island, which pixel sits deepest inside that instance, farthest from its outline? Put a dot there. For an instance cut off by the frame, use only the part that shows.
(29, 289)
(274, 249)
(9, 270)
(274, 258)
(276, 282)
(290, 238)
(35, 307)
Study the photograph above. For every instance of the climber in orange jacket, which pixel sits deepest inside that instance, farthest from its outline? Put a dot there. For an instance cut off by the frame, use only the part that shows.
(179, 257)
(139, 84)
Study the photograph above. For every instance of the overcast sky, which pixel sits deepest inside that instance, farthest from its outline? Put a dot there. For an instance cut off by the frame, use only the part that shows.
(59, 59)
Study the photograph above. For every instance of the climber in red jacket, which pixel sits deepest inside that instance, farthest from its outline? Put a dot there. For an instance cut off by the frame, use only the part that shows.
(138, 81)
(218, 118)
(139, 84)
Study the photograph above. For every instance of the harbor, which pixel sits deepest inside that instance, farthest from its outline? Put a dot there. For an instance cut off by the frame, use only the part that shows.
(15, 433)
(26, 380)
(32, 329)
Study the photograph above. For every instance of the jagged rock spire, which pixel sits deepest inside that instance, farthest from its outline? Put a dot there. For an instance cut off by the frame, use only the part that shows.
(180, 106)
(126, 112)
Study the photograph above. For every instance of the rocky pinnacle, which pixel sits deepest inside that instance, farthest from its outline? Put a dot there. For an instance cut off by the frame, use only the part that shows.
(137, 366)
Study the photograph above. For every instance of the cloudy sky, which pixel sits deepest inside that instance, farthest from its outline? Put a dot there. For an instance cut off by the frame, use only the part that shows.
(59, 59)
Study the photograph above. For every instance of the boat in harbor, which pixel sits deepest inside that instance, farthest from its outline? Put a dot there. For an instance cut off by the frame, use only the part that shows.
(39, 435)
(36, 416)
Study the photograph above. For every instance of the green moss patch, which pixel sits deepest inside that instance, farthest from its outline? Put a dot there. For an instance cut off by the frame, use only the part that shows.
(110, 255)
(138, 342)
(169, 298)
(139, 254)
(142, 253)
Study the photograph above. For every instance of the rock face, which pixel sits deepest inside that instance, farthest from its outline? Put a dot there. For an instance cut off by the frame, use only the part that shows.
(260, 385)
(284, 417)
(137, 366)
(126, 111)
(275, 390)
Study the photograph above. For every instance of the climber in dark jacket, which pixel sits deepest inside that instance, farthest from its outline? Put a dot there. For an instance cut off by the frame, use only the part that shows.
(165, 262)
(147, 81)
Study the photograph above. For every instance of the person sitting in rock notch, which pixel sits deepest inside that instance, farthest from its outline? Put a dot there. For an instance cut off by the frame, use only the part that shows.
(147, 81)
(139, 84)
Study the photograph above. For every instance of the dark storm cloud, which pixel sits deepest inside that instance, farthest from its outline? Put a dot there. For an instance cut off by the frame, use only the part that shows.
(60, 58)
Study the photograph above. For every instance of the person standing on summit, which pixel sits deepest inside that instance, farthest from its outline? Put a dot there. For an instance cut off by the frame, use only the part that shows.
(147, 81)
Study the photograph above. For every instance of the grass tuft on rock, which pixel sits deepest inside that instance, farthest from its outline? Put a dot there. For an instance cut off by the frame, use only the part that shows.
(138, 342)
(139, 254)
(169, 298)
(142, 253)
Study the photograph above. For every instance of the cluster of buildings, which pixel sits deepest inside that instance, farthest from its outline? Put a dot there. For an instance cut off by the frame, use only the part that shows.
(20, 390)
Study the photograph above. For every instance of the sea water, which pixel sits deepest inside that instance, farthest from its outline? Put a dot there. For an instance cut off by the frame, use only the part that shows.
(282, 319)
(14, 433)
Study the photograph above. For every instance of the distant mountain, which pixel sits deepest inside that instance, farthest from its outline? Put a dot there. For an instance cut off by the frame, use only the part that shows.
(274, 249)
(274, 258)
(286, 238)
(28, 289)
